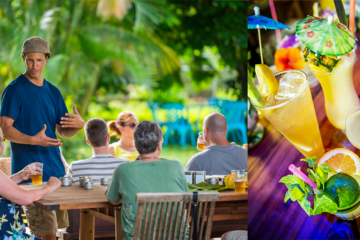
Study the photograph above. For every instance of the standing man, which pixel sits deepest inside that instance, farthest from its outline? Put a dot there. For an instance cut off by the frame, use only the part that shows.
(31, 110)
(219, 156)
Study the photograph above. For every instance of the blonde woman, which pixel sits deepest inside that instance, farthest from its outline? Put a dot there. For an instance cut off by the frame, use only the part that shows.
(123, 127)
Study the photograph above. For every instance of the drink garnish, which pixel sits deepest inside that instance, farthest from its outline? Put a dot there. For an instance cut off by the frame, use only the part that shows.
(327, 198)
(341, 160)
(267, 81)
(324, 62)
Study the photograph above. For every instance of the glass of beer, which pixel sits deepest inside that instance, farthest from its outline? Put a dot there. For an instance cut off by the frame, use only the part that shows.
(240, 181)
(201, 142)
(36, 173)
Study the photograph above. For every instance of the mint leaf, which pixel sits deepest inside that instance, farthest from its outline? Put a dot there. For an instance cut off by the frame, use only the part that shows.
(309, 190)
(289, 179)
(324, 204)
(301, 183)
(326, 168)
(311, 175)
(295, 192)
(310, 160)
(306, 205)
(322, 173)
(322, 176)
(287, 196)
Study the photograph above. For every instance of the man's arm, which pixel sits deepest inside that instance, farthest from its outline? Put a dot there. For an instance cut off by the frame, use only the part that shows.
(112, 202)
(14, 135)
(70, 124)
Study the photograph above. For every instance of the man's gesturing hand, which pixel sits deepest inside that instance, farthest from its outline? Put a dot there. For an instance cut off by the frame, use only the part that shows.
(73, 120)
(41, 139)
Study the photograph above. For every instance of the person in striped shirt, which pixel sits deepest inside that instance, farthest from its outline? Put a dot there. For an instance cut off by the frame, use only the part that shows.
(101, 164)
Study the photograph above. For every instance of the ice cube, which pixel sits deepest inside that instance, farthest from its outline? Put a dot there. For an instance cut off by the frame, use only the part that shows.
(289, 85)
(270, 101)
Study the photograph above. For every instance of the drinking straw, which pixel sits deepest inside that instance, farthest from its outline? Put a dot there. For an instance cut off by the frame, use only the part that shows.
(316, 9)
(302, 176)
(340, 11)
(273, 14)
(352, 16)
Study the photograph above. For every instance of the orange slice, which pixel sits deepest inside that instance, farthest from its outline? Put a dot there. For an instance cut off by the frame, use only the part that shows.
(341, 160)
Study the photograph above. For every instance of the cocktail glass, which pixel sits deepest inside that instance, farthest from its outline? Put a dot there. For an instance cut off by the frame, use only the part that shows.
(352, 126)
(339, 93)
(292, 112)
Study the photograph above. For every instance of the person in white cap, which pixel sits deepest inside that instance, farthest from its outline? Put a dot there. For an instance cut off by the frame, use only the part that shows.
(32, 110)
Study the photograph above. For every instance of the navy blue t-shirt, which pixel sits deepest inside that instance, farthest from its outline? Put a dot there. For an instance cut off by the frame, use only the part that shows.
(31, 107)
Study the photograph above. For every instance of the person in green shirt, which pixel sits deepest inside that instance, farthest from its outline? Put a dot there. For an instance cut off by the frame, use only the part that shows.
(149, 174)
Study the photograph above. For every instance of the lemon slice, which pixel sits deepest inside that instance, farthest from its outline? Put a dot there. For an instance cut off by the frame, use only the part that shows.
(267, 81)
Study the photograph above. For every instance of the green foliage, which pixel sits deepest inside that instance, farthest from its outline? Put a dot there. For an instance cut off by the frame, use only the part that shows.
(215, 24)
(300, 191)
(153, 53)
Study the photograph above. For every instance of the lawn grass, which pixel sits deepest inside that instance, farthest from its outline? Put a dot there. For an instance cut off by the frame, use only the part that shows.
(178, 153)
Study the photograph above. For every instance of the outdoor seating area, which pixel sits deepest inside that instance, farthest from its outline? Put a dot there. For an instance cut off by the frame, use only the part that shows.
(123, 119)
(227, 211)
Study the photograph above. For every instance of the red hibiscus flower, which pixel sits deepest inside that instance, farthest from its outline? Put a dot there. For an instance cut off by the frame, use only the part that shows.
(288, 58)
(306, 26)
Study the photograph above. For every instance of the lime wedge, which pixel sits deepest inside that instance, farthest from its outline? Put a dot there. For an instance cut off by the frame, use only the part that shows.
(267, 81)
(342, 189)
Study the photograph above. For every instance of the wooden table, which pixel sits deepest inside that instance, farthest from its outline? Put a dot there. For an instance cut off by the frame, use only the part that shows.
(231, 210)
(269, 216)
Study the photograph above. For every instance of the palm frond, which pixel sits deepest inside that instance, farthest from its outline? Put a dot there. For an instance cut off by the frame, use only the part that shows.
(149, 13)
(56, 68)
(113, 8)
(111, 42)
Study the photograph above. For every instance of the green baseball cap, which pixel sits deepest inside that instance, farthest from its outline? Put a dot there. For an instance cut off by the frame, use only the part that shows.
(35, 45)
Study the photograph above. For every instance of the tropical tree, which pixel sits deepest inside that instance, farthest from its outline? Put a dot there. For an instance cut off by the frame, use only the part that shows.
(93, 52)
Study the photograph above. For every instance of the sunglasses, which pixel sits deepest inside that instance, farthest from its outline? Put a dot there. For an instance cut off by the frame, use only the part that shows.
(132, 125)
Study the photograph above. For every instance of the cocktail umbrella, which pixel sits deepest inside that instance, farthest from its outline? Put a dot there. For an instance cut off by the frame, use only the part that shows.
(257, 22)
(325, 37)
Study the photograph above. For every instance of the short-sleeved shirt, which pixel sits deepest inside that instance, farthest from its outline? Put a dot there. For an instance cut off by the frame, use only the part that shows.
(135, 177)
(97, 167)
(121, 153)
(219, 160)
(31, 107)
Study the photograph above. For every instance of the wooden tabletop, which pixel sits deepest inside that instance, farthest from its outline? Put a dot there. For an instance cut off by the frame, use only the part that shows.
(268, 163)
(75, 197)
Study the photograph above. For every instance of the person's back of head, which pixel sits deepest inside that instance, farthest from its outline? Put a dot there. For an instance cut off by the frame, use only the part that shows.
(147, 137)
(96, 132)
(216, 124)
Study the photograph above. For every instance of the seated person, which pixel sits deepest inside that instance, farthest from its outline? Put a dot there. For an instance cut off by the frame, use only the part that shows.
(149, 174)
(11, 196)
(123, 127)
(219, 156)
(101, 164)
